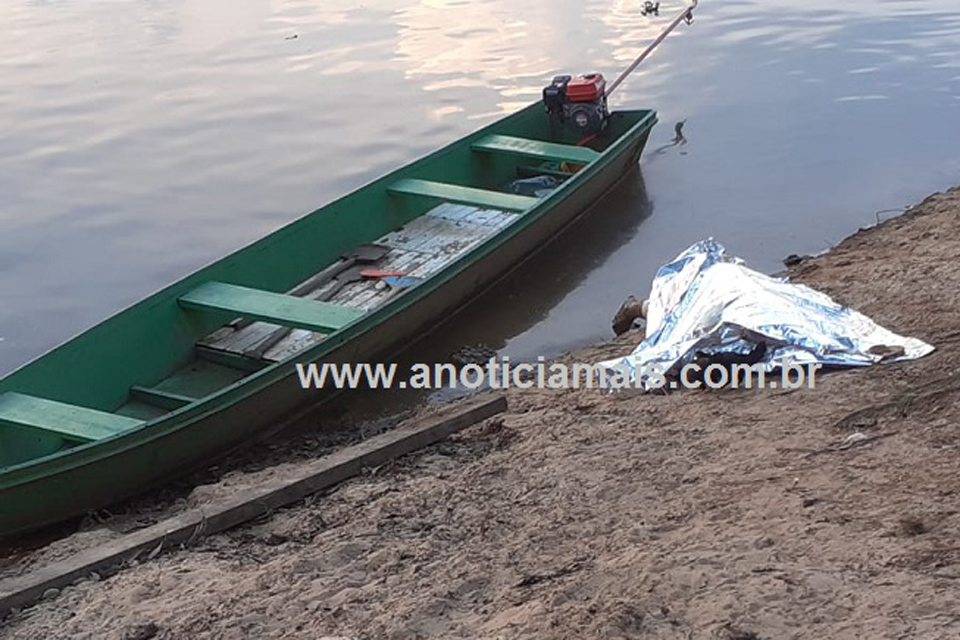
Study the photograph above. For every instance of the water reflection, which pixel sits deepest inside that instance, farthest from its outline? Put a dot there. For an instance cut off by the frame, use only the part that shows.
(448, 45)
(142, 140)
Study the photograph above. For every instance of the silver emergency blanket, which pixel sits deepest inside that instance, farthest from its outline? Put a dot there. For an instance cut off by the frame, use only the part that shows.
(708, 303)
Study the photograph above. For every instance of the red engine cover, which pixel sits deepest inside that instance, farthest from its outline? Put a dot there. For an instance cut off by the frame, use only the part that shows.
(586, 88)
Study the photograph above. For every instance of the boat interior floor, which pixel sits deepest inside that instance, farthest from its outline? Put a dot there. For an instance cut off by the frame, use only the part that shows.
(416, 251)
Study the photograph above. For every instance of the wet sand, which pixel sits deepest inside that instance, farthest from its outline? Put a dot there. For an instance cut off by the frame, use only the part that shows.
(732, 514)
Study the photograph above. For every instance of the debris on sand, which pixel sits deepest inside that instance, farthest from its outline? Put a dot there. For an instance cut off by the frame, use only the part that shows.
(628, 314)
(473, 354)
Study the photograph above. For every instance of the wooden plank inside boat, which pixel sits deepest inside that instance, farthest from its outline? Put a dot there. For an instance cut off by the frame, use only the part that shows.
(463, 195)
(420, 248)
(273, 307)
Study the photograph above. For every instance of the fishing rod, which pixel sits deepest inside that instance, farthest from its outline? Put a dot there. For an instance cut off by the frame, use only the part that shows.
(684, 16)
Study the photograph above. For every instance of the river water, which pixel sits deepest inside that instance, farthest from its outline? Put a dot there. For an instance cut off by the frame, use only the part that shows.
(142, 140)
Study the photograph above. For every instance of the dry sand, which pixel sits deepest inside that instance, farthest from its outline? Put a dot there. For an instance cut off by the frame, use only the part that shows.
(707, 514)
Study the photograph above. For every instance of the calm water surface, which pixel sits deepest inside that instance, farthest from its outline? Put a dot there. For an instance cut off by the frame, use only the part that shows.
(142, 140)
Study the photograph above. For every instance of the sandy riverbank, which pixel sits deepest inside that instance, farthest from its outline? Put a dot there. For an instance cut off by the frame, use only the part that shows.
(706, 514)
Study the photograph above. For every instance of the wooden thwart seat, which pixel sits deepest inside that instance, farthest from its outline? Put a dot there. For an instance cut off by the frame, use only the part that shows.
(71, 422)
(535, 149)
(276, 308)
(463, 195)
(160, 398)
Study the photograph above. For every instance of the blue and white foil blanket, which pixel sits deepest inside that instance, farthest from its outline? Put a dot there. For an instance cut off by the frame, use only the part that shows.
(708, 303)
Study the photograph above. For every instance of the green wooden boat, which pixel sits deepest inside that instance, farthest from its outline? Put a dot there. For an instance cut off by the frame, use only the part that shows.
(210, 361)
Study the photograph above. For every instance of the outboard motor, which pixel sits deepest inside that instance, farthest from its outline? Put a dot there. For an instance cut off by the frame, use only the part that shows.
(580, 102)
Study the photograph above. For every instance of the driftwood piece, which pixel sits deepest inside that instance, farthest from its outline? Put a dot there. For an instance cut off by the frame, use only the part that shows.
(244, 506)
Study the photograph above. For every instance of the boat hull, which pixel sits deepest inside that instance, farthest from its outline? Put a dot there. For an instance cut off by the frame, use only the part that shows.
(91, 477)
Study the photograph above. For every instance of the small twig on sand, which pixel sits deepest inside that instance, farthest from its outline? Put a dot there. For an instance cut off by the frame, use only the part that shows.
(531, 580)
(850, 443)
(900, 404)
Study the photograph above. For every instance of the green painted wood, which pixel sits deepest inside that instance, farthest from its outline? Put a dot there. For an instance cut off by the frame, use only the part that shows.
(160, 398)
(45, 478)
(141, 410)
(277, 308)
(535, 149)
(463, 195)
(73, 423)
